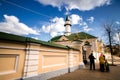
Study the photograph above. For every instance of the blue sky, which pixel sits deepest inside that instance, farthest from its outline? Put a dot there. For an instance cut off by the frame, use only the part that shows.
(44, 19)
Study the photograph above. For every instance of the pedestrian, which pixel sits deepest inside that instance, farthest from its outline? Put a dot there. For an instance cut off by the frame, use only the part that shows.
(92, 62)
(102, 62)
(107, 66)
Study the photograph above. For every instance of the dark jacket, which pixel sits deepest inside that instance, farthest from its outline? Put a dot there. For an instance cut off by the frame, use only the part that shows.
(91, 57)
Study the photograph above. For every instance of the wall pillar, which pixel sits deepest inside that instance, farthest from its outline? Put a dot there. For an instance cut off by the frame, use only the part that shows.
(31, 63)
(70, 60)
(81, 63)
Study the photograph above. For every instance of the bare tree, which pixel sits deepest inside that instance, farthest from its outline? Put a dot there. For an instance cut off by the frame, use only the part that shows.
(109, 31)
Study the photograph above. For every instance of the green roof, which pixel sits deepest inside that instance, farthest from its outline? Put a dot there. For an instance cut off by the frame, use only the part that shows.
(12, 37)
(56, 38)
(7, 36)
(76, 36)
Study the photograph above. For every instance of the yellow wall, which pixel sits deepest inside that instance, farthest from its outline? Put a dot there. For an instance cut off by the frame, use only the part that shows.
(75, 58)
(100, 47)
(51, 59)
(17, 62)
(11, 60)
(11, 63)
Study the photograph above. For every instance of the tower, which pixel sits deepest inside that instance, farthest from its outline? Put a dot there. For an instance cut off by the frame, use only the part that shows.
(67, 26)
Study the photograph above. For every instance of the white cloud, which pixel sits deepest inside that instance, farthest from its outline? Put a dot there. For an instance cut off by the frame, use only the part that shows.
(36, 38)
(91, 19)
(85, 27)
(75, 4)
(76, 19)
(117, 22)
(56, 27)
(117, 37)
(67, 12)
(12, 25)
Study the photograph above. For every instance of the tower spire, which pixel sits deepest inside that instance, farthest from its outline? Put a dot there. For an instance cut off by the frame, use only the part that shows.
(67, 26)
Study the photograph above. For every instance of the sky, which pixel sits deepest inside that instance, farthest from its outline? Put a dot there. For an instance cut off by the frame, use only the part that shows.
(44, 19)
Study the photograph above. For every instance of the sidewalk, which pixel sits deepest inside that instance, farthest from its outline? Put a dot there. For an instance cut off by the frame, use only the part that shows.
(86, 74)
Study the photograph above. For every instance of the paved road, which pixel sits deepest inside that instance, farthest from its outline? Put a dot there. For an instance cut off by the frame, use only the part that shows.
(86, 74)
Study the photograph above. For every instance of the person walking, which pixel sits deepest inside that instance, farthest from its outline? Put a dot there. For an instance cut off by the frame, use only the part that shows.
(92, 62)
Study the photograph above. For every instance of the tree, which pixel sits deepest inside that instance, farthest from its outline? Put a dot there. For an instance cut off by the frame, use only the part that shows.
(109, 32)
